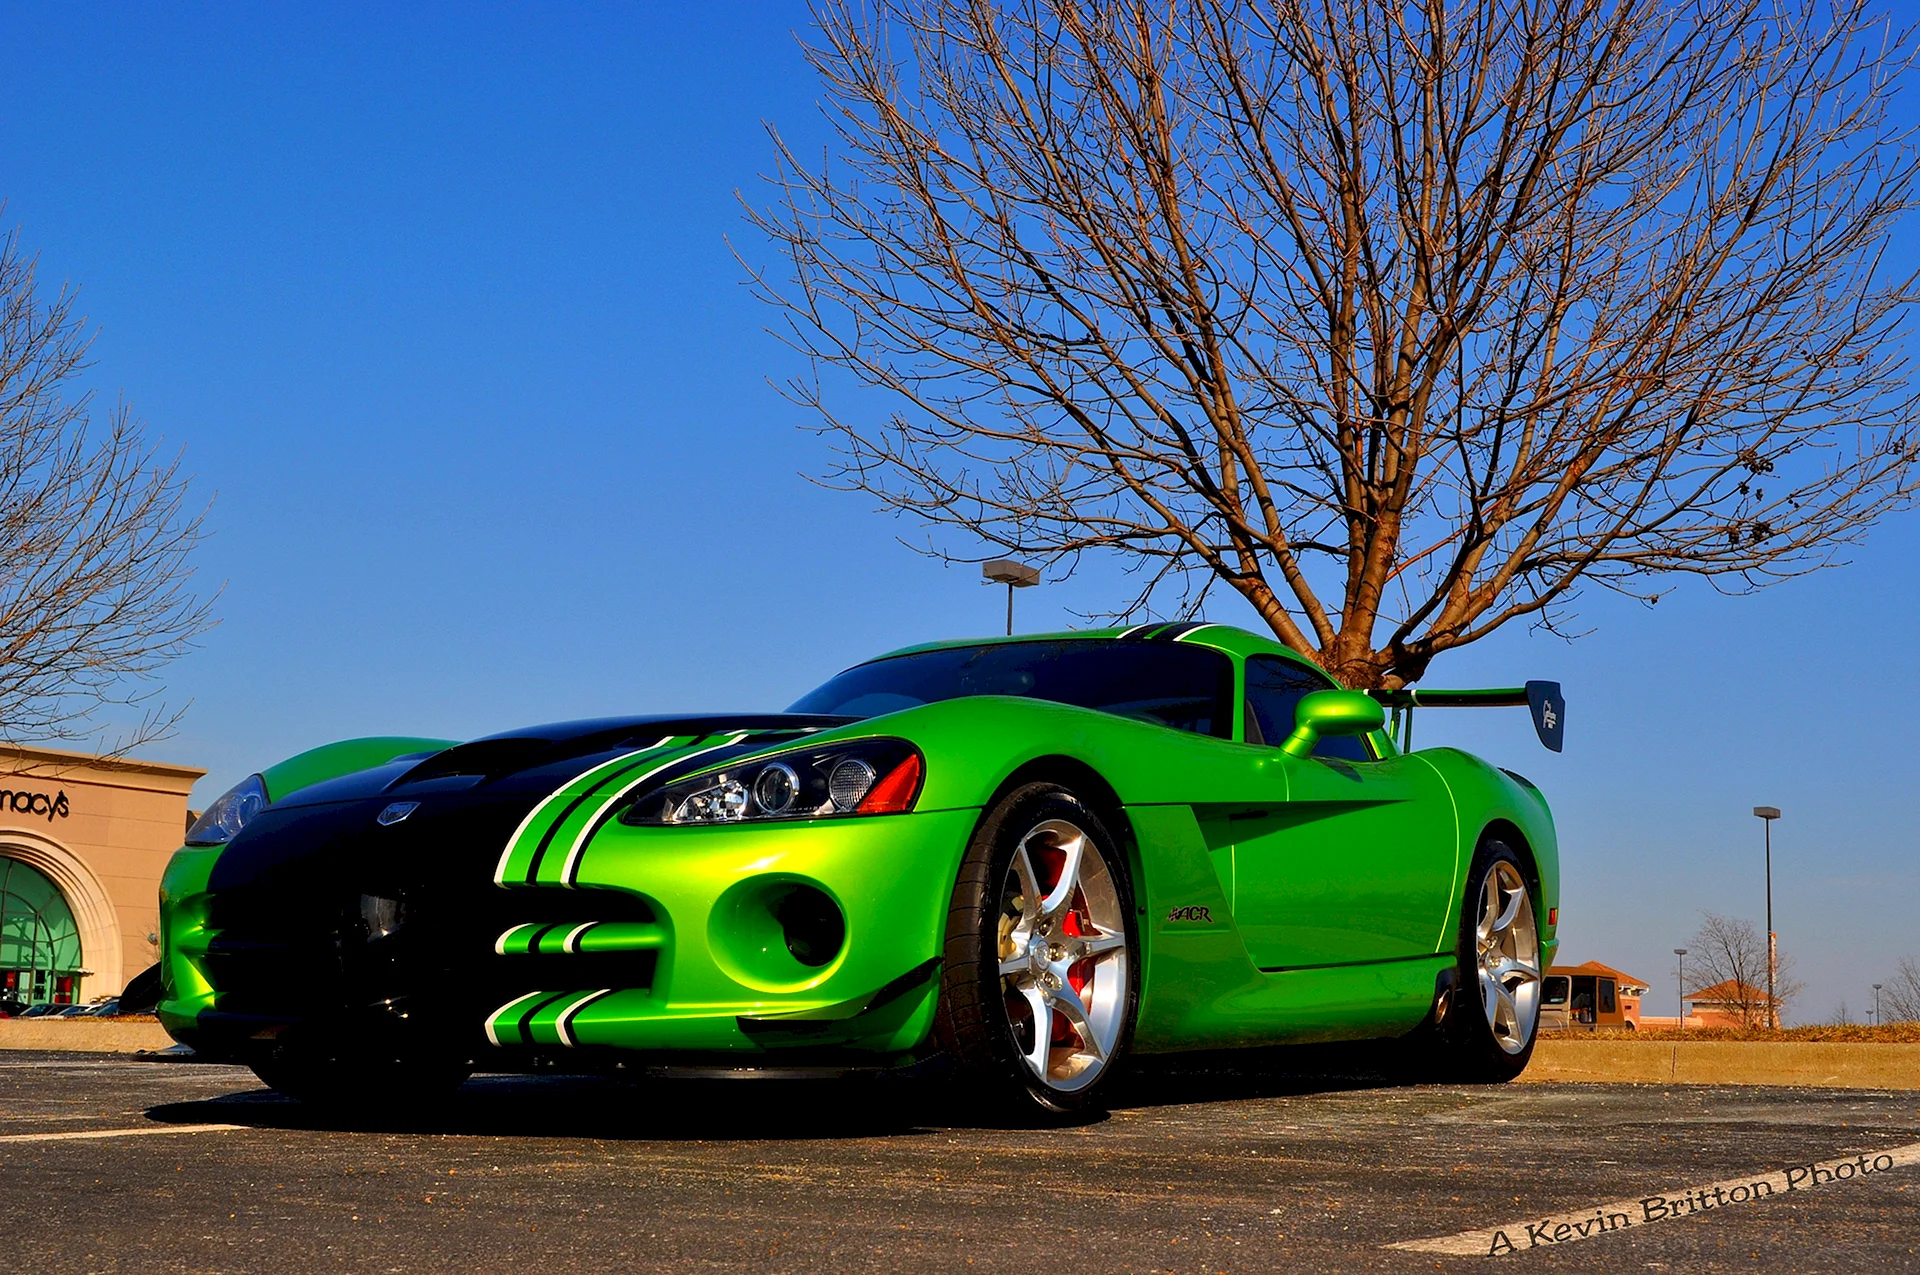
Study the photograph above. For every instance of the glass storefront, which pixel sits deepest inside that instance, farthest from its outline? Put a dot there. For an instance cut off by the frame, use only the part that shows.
(39, 943)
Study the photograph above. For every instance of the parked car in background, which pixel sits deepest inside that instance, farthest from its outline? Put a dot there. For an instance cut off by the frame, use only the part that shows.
(1590, 997)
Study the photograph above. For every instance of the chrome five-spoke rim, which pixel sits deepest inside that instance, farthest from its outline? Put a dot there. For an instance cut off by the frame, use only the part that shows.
(1063, 955)
(1509, 958)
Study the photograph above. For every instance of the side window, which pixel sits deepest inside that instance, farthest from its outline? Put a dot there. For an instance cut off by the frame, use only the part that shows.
(1274, 688)
(1606, 996)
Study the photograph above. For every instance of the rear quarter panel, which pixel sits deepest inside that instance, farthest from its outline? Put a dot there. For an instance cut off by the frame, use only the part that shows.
(1495, 802)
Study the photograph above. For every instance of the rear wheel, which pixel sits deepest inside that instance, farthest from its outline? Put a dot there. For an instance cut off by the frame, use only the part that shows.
(1038, 985)
(1489, 1020)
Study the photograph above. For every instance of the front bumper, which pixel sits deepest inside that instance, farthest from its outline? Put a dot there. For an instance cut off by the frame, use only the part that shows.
(766, 936)
(793, 940)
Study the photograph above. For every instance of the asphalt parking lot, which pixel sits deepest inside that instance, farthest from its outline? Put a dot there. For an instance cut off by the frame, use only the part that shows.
(110, 1164)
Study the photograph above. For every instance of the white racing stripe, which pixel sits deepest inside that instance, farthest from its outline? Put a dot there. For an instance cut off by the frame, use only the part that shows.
(500, 870)
(83, 1135)
(1663, 1206)
(563, 1024)
(500, 1013)
(569, 868)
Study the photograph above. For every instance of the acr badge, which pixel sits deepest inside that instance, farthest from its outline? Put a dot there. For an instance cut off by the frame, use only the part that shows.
(1203, 916)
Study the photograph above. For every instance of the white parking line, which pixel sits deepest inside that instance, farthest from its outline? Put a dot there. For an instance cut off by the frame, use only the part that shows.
(1662, 1206)
(143, 1131)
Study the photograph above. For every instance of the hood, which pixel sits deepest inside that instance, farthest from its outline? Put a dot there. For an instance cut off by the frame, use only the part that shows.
(538, 759)
(469, 799)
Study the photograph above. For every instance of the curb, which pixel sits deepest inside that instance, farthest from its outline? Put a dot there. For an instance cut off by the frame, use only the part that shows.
(84, 1035)
(1726, 1062)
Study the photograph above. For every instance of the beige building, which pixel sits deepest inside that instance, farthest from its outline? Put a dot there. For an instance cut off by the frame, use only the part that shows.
(82, 845)
(1730, 1003)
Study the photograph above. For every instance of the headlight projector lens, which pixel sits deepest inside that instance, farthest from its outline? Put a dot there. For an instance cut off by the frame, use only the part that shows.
(724, 802)
(776, 788)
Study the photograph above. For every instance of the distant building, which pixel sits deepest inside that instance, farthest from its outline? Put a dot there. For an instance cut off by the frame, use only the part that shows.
(1590, 997)
(83, 841)
(1729, 1004)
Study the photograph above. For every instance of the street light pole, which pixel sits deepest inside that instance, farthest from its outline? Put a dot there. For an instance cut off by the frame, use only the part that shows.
(1876, 1004)
(1681, 952)
(1015, 575)
(1766, 815)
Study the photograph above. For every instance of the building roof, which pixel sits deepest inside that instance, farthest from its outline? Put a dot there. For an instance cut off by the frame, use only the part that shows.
(1729, 992)
(33, 761)
(1628, 983)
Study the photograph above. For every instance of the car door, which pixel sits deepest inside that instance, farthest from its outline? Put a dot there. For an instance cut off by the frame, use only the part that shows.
(1357, 863)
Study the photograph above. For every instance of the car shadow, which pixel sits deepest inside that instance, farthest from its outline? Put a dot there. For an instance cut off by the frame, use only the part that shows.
(1239, 1075)
(675, 1109)
(592, 1107)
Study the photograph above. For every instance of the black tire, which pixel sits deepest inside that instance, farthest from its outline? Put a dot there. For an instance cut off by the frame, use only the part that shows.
(1460, 1044)
(976, 1019)
(367, 1083)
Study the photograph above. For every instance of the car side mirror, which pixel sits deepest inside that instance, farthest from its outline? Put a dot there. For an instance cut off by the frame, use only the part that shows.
(1332, 713)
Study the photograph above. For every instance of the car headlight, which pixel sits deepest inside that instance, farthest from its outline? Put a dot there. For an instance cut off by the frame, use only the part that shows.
(222, 821)
(864, 777)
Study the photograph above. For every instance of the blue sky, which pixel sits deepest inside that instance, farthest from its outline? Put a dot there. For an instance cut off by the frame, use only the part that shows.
(441, 306)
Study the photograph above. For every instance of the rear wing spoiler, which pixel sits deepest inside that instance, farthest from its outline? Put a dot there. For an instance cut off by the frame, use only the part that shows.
(1543, 700)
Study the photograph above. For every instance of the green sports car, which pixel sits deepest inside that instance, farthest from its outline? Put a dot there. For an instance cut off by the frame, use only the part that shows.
(1017, 858)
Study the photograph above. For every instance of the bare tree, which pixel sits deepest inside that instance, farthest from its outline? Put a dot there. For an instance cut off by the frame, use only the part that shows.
(1900, 998)
(1401, 321)
(1728, 956)
(94, 536)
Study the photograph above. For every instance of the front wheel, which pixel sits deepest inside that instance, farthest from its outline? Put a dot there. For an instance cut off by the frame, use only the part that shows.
(1491, 1017)
(1038, 985)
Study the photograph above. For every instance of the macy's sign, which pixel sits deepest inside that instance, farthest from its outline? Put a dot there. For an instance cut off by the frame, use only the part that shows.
(35, 803)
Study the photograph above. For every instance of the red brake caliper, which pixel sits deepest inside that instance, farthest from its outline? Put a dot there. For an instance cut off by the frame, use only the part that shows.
(1078, 975)
(1048, 863)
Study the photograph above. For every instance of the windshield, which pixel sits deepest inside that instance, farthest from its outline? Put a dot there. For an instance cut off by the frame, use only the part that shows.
(1189, 688)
